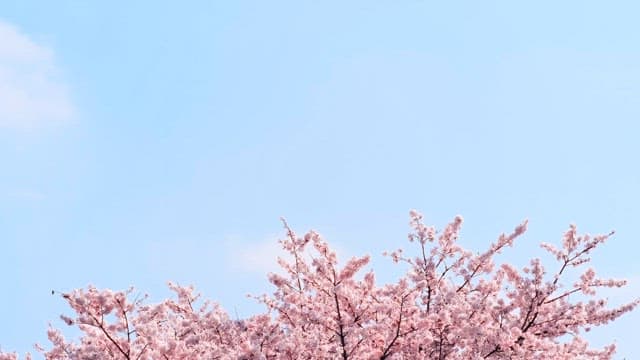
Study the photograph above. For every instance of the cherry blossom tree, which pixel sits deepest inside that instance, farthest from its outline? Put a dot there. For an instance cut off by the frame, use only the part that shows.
(451, 304)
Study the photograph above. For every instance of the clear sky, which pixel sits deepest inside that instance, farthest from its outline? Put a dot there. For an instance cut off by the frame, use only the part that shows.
(146, 141)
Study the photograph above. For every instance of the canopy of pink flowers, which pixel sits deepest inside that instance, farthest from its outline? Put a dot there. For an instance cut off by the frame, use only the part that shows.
(451, 304)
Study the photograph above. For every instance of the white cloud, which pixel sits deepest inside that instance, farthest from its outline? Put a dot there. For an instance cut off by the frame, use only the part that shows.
(261, 256)
(31, 93)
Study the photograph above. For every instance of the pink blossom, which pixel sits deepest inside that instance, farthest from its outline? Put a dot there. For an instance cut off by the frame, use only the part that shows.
(451, 304)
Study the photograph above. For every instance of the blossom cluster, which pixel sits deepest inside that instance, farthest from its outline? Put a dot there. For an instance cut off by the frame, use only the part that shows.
(451, 304)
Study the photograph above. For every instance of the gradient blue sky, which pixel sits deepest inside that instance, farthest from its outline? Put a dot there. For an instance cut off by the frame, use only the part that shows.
(163, 141)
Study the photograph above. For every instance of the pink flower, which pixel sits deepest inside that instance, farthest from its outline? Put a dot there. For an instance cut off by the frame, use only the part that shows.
(451, 304)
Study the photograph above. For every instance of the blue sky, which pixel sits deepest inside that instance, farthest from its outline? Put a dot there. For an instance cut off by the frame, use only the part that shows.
(145, 142)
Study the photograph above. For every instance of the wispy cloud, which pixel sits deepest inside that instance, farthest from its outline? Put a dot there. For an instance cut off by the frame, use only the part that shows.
(261, 256)
(32, 94)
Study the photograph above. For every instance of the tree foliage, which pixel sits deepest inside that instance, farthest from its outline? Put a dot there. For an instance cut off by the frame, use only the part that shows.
(451, 304)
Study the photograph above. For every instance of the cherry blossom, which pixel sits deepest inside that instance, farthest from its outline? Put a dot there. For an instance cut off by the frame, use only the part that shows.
(451, 304)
